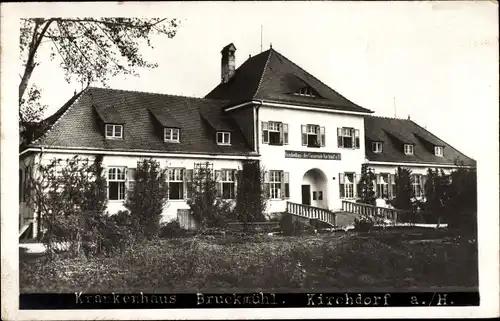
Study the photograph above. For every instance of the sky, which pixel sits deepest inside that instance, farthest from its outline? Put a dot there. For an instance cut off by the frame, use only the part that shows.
(435, 62)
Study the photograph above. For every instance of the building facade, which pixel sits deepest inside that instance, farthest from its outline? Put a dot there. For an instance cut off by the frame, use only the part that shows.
(310, 140)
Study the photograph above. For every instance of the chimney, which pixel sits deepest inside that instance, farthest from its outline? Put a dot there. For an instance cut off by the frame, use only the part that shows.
(227, 62)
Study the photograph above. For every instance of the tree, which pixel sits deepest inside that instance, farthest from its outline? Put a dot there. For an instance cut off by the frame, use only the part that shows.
(436, 192)
(89, 50)
(404, 192)
(462, 201)
(71, 198)
(251, 200)
(207, 208)
(366, 193)
(147, 199)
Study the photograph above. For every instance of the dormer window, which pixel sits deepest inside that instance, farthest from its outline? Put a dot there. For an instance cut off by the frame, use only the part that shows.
(171, 135)
(438, 151)
(408, 149)
(223, 138)
(377, 147)
(114, 131)
(306, 91)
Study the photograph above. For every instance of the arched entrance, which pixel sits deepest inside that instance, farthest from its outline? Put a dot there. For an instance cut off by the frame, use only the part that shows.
(314, 188)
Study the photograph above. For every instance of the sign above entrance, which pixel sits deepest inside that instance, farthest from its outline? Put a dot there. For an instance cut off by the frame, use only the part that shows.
(311, 155)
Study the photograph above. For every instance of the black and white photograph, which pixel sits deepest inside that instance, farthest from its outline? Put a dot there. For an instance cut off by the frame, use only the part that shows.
(219, 159)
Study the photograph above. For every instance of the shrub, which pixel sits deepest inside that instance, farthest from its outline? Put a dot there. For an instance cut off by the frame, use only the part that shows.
(291, 226)
(251, 196)
(172, 229)
(147, 199)
(365, 187)
(363, 224)
(207, 208)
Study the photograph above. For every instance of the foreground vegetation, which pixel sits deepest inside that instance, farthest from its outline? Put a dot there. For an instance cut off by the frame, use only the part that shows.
(370, 261)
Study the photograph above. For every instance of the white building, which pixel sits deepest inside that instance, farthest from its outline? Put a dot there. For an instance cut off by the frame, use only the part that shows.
(311, 140)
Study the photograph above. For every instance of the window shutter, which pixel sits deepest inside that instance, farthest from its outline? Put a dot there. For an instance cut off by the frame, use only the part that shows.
(304, 135)
(237, 177)
(285, 134)
(341, 185)
(265, 133)
(356, 138)
(339, 137)
(424, 180)
(189, 183)
(323, 136)
(286, 178)
(355, 179)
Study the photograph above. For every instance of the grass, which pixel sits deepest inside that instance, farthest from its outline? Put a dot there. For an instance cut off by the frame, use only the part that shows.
(403, 261)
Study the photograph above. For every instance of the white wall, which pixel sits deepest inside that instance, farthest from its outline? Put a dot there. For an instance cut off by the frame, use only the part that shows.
(170, 210)
(273, 157)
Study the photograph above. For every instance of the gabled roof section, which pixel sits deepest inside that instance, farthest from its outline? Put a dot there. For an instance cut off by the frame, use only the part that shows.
(78, 126)
(164, 118)
(270, 76)
(393, 132)
(109, 113)
(215, 118)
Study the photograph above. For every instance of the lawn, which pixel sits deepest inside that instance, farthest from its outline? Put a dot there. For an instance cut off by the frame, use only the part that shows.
(376, 261)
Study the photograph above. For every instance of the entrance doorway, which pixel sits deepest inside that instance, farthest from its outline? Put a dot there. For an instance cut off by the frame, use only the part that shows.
(306, 194)
(314, 188)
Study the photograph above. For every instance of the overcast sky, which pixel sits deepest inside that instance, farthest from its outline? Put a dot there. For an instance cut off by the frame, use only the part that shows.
(437, 61)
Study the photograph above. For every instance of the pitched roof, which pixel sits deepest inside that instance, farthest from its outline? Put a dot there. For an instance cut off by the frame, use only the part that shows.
(78, 126)
(270, 76)
(385, 130)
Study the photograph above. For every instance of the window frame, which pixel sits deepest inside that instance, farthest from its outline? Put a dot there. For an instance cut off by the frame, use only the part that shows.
(354, 135)
(406, 149)
(375, 149)
(182, 181)
(113, 130)
(226, 173)
(121, 181)
(417, 185)
(342, 185)
(170, 135)
(313, 130)
(441, 149)
(224, 141)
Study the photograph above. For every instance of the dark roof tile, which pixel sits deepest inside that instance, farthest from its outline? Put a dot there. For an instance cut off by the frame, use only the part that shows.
(407, 131)
(78, 127)
(270, 76)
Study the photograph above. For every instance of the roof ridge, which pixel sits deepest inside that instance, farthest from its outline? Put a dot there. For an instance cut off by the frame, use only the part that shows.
(160, 94)
(263, 72)
(434, 136)
(60, 117)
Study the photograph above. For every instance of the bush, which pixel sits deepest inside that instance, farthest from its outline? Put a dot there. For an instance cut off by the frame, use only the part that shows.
(172, 229)
(363, 224)
(148, 198)
(291, 226)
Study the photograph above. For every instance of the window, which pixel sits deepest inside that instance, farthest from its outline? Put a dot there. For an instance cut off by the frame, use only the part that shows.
(438, 151)
(320, 195)
(114, 131)
(116, 183)
(176, 183)
(274, 133)
(226, 186)
(313, 136)
(347, 183)
(408, 148)
(171, 135)
(278, 184)
(416, 184)
(223, 138)
(348, 137)
(306, 91)
(377, 147)
(383, 185)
